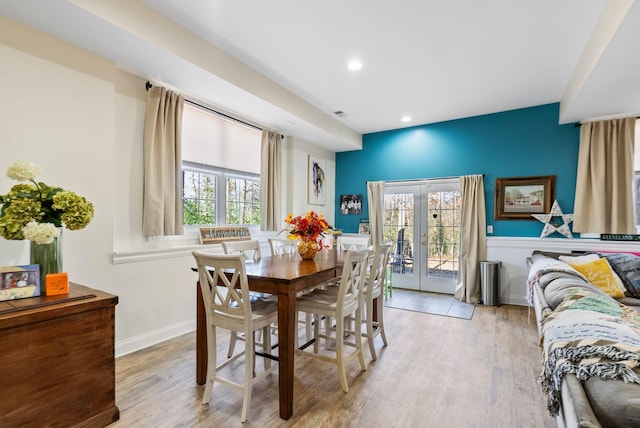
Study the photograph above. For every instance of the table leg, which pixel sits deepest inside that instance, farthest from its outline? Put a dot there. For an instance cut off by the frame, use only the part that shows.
(287, 349)
(201, 338)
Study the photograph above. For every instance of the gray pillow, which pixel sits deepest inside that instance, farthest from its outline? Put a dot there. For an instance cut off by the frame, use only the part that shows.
(627, 266)
(556, 291)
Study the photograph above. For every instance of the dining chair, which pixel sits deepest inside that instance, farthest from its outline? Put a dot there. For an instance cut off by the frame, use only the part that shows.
(282, 246)
(288, 246)
(352, 242)
(338, 305)
(228, 305)
(249, 249)
(250, 252)
(372, 293)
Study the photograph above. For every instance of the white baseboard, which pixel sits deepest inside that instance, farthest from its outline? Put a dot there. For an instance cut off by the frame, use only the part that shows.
(136, 343)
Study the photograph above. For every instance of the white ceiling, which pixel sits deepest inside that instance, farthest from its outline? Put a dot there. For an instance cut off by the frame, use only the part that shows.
(431, 60)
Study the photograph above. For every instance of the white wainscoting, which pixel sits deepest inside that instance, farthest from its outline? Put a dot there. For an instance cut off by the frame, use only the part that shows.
(513, 253)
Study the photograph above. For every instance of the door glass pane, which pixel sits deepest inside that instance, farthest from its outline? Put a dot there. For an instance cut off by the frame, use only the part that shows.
(443, 232)
(398, 228)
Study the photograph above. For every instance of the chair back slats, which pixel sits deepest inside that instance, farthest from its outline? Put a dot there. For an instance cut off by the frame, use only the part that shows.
(377, 271)
(250, 250)
(352, 279)
(282, 246)
(224, 286)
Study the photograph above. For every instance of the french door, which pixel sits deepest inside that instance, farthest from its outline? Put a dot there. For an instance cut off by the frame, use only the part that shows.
(422, 219)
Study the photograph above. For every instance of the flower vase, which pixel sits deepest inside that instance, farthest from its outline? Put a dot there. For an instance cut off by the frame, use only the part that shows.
(307, 249)
(49, 257)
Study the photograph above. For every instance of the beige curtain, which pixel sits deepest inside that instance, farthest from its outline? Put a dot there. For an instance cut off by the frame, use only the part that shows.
(270, 182)
(604, 202)
(375, 196)
(473, 241)
(162, 204)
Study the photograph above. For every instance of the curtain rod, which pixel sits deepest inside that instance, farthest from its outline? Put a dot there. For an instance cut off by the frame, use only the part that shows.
(148, 85)
(579, 124)
(424, 179)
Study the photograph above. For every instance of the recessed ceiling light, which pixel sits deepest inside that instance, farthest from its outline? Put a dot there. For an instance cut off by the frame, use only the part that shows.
(354, 65)
(406, 119)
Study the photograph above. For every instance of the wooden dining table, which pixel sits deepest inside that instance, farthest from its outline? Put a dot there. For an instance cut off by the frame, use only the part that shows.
(283, 276)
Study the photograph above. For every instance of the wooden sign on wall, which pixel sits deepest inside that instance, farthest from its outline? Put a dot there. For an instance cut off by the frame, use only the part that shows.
(215, 235)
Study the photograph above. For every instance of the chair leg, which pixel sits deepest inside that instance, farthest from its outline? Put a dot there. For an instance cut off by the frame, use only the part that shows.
(308, 320)
(248, 375)
(266, 347)
(381, 321)
(327, 331)
(370, 335)
(232, 343)
(342, 372)
(316, 333)
(211, 364)
(358, 335)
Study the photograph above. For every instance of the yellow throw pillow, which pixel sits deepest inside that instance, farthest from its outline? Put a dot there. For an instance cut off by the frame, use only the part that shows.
(600, 274)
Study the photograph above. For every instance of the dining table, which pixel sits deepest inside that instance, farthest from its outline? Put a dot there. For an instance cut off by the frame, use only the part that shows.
(283, 276)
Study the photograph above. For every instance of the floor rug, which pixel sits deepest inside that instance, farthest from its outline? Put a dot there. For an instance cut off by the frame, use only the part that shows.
(429, 303)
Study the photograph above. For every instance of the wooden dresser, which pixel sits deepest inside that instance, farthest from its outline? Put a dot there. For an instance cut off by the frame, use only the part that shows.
(57, 365)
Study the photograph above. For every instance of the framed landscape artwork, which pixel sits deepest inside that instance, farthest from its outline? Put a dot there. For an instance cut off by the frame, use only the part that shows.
(518, 198)
(317, 180)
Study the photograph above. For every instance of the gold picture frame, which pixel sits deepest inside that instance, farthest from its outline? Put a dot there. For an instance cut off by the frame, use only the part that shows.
(517, 198)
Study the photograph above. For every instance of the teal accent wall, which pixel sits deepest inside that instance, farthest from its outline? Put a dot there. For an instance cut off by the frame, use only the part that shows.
(515, 143)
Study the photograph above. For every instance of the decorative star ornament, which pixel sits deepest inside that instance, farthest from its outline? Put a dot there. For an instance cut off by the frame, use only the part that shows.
(550, 227)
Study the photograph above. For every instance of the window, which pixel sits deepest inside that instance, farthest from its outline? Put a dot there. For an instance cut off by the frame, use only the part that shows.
(220, 169)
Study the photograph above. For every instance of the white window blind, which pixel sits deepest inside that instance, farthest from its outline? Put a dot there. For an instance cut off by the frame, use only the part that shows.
(210, 139)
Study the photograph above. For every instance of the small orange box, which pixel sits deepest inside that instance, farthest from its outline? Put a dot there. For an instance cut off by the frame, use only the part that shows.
(57, 283)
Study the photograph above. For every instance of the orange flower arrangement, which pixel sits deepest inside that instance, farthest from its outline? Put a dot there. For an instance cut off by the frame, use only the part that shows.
(308, 228)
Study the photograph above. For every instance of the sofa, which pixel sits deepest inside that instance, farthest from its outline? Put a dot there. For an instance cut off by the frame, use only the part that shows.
(587, 308)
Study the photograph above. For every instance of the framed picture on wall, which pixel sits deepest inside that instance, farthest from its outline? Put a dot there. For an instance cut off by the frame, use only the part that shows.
(350, 204)
(518, 198)
(317, 184)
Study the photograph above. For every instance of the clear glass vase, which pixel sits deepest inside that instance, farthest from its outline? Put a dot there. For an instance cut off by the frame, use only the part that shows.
(49, 257)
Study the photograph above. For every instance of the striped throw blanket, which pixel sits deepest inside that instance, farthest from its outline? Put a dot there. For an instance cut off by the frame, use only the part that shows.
(588, 335)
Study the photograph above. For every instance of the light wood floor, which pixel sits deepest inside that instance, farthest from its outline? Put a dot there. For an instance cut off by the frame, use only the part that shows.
(437, 372)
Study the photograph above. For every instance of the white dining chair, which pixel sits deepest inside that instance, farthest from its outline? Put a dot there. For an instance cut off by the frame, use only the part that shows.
(228, 305)
(249, 249)
(372, 293)
(352, 242)
(338, 305)
(289, 246)
(282, 246)
(250, 252)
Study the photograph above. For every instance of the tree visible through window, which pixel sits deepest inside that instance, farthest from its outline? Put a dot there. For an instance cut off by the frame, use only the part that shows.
(243, 201)
(199, 198)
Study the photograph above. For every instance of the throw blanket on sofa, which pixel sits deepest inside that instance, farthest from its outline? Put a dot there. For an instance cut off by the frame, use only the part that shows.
(588, 335)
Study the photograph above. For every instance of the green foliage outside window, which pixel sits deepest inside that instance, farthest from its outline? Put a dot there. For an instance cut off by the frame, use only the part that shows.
(243, 201)
(199, 191)
(199, 199)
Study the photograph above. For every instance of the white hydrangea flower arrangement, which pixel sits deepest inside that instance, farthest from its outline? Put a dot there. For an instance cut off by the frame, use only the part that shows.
(33, 210)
